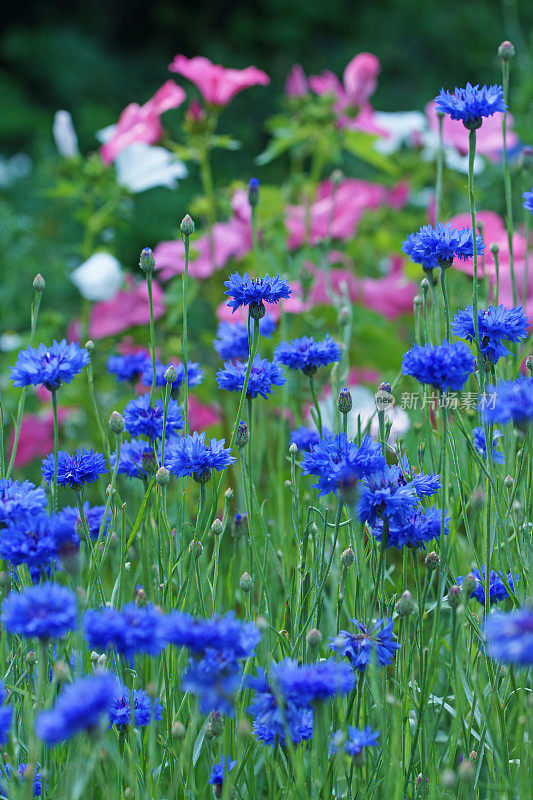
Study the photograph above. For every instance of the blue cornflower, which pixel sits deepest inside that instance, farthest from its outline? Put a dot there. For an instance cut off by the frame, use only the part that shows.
(424, 484)
(497, 590)
(272, 721)
(496, 325)
(50, 366)
(142, 419)
(445, 366)
(509, 637)
(383, 494)
(303, 437)
(80, 707)
(336, 458)
(33, 543)
(481, 444)
(220, 771)
(438, 246)
(471, 104)
(307, 354)
(131, 630)
(135, 707)
(127, 368)
(232, 339)
(74, 471)
(263, 376)
(20, 776)
(214, 679)
(223, 633)
(306, 684)
(136, 456)
(254, 293)
(195, 374)
(367, 646)
(528, 201)
(6, 716)
(415, 529)
(20, 502)
(512, 400)
(357, 739)
(190, 455)
(63, 527)
(47, 611)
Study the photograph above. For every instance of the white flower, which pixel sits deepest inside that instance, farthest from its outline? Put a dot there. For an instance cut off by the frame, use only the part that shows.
(141, 166)
(364, 407)
(401, 127)
(14, 168)
(98, 278)
(65, 135)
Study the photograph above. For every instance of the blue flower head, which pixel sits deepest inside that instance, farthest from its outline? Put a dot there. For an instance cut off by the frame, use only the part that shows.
(335, 459)
(222, 633)
(416, 529)
(51, 366)
(438, 246)
(220, 770)
(497, 589)
(303, 437)
(20, 502)
(445, 366)
(6, 716)
(263, 376)
(136, 707)
(308, 355)
(471, 104)
(481, 444)
(358, 739)
(33, 543)
(509, 401)
(47, 611)
(143, 419)
(368, 645)
(496, 325)
(232, 339)
(509, 637)
(129, 631)
(127, 368)
(528, 201)
(136, 459)
(74, 470)
(190, 455)
(307, 684)
(214, 679)
(195, 375)
(271, 721)
(383, 494)
(255, 293)
(80, 706)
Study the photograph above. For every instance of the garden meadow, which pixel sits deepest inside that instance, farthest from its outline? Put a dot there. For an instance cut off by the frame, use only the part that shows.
(265, 496)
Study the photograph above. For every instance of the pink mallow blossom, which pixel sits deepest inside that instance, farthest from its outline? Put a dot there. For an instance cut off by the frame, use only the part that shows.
(129, 307)
(231, 239)
(489, 138)
(36, 438)
(296, 84)
(217, 84)
(142, 123)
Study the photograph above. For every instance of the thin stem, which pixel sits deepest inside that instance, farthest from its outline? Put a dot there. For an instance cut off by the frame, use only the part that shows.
(184, 339)
(56, 447)
(315, 402)
(445, 302)
(152, 334)
(440, 160)
(472, 202)
(380, 579)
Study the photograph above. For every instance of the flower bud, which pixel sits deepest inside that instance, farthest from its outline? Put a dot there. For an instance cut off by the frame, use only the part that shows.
(417, 301)
(529, 363)
(506, 51)
(241, 439)
(257, 310)
(94, 657)
(344, 316)
(293, 449)
(215, 726)
(147, 260)
(384, 397)
(525, 160)
(432, 561)
(129, 794)
(454, 596)
(494, 248)
(89, 345)
(187, 226)
(31, 659)
(195, 548)
(170, 374)
(178, 730)
(253, 192)
(202, 477)
(448, 778)
(406, 605)
(246, 582)
(39, 283)
(469, 584)
(424, 283)
(61, 672)
(508, 482)
(149, 461)
(345, 402)
(228, 494)
(162, 476)
(337, 177)
(313, 637)
(102, 660)
(466, 770)
(261, 623)
(347, 557)
(140, 597)
(217, 527)
(116, 422)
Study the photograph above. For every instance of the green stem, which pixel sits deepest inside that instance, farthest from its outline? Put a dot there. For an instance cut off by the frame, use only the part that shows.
(440, 160)
(315, 402)
(184, 340)
(380, 578)
(56, 447)
(472, 203)
(152, 334)
(445, 302)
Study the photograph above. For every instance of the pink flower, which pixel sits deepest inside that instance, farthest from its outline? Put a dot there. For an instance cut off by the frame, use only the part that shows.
(142, 123)
(217, 84)
(338, 210)
(36, 438)
(361, 78)
(202, 416)
(129, 307)
(296, 84)
(489, 139)
(494, 230)
(229, 240)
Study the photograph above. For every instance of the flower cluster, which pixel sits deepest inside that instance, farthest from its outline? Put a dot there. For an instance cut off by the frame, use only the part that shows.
(445, 366)
(368, 645)
(438, 246)
(263, 376)
(51, 366)
(303, 437)
(497, 589)
(496, 325)
(306, 354)
(143, 419)
(513, 401)
(335, 459)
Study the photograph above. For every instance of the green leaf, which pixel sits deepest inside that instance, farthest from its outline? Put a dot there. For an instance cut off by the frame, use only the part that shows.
(361, 144)
(140, 515)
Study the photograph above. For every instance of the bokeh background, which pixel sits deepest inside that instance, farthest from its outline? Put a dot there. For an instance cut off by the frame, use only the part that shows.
(96, 56)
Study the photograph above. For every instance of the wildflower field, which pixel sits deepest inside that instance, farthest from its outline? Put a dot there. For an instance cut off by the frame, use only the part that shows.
(266, 491)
